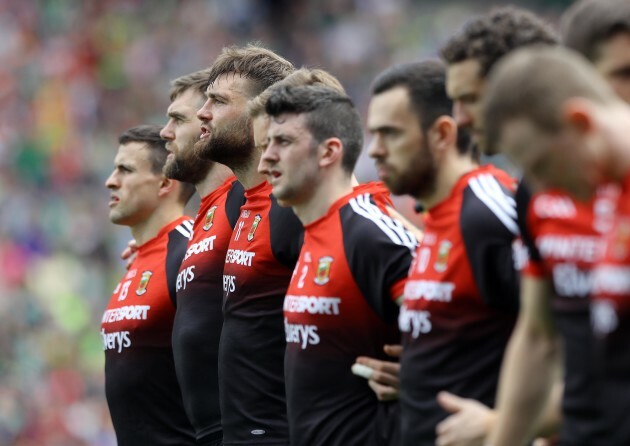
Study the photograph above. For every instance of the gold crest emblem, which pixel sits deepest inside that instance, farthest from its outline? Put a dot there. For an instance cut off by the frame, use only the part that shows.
(323, 270)
(209, 218)
(252, 230)
(442, 256)
(144, 282)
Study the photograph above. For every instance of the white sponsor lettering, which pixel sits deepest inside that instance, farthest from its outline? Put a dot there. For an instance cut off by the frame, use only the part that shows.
(575, 247)
(414, 322)
(548, 206)
(312, 304)
(520, 254)
(571, 281)
(129, 313)
(239, 257)
(116, 340)
(304, 335)
(603, 317)
(184, 277)
(205, 245)
(429, 290)
(611, 280)
(229, 284)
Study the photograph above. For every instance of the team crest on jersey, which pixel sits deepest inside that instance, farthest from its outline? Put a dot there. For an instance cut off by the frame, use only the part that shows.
(323, 270)
(252, 230)
(209, 218)
(441, 263)
(144, 282)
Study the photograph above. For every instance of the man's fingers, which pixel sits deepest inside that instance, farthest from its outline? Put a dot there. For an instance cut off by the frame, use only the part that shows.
(393, 350)
(378, 365)
(449, 402)
(383, 393)
(385, 378)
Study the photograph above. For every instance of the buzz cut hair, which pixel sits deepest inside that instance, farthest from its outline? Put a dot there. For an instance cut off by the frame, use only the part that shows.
(525, 85)
(589, 23)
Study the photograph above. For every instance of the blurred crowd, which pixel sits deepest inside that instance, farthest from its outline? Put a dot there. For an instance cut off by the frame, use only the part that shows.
(73, 75)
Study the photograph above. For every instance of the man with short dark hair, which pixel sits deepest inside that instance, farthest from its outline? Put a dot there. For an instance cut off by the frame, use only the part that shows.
(199, 316)
(600, 30)
(141, 386)
(262, 252)
(341, 302)
(461, 296)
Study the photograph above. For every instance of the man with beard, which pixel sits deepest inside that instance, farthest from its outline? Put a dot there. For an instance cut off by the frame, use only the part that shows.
(261, 255)
(461, 296)
(141, 386)
(199, 316)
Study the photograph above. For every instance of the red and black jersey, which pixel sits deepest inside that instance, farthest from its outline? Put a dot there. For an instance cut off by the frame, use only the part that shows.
(610, 314)
(460, 301)
(564, 240)
(262, 252)
(141, 386)
(341, 304)
(199, 316)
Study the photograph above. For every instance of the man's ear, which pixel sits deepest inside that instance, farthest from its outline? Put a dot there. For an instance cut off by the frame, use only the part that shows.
(442, 134)
(166, 186)
(330, 152)
(579, 115)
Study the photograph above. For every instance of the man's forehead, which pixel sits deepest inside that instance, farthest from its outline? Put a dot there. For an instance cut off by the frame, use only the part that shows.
(229, 82)
(189, 99)
(388, 105)
(287, 121)
(463, 77)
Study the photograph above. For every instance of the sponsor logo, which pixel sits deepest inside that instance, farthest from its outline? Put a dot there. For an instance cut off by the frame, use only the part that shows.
(414, 322)
(441, 263)
(184, 277)
(229, 284)
(116, 340)
(239, 257)
(304, 335)
(312, 304)
(209, 218)
(205, 245)
(144, 283)
(603, 317)
(611, 280)
(571, 281)
(129, 313)
(583, 248)
(548, 206)
(258, 432)
(252, 230)
(520, 254)
(323, 270)
(430, 290)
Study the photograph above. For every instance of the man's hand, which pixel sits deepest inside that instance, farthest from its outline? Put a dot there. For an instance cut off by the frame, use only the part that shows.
(384, 378)
(469, 423)
(129, 253)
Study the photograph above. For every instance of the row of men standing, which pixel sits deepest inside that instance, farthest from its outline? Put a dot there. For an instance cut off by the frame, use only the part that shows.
(244, 326)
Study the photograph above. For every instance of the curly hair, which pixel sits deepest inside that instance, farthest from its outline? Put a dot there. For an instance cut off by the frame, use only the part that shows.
(589, 23)
(489, 37)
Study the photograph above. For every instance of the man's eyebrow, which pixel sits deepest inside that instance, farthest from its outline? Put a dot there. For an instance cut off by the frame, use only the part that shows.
(176, 115)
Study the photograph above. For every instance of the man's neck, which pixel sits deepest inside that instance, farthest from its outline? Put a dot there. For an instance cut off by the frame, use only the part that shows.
(248, 175)
(216, 177)
(448, 175)
(324, 195)
(149, 228)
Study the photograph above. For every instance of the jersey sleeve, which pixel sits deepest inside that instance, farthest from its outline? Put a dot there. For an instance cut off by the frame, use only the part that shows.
(235, 199)
(489, 228)
(287, 234)
(379, 251)
(532, 260)
(175, 250)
